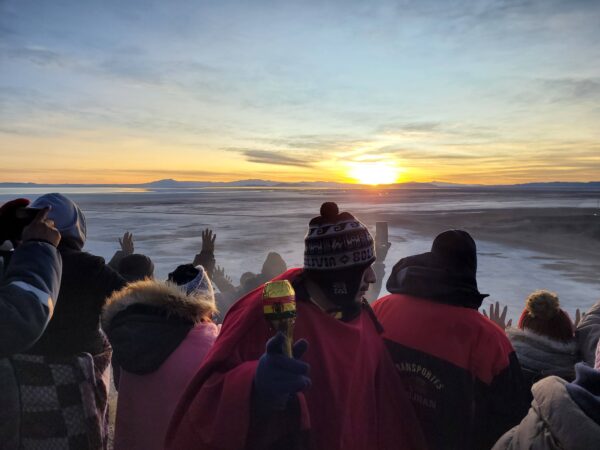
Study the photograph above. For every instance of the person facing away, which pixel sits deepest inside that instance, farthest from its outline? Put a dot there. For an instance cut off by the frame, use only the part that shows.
(86, 284)
(160, 333)
(544, 339)
(31, 279)
(339, 390)
(588, 334)
(130, 265)
(28, 292)
(64, 377)
(563, 415)
(459, 368)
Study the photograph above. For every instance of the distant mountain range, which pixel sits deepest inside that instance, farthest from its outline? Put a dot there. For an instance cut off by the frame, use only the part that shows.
(174, 184)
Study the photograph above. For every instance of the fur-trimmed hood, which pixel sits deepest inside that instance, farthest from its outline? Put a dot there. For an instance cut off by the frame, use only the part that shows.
(147, 320)
(543, 354)
(164, 296)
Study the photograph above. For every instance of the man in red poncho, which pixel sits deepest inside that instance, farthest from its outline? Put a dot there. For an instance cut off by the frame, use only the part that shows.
(248, 395)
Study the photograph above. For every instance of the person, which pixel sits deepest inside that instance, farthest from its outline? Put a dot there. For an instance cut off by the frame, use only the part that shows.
(28, 293)
(587, 333)
(544, 339)
(459, 368)
(206, 257)
(86, 284)
(127, 248)
(29, 285)
(136, 267)
(273, 266)
(130, 265)
(563, 415)
(338, 390)
(73, 355)
(160, 333)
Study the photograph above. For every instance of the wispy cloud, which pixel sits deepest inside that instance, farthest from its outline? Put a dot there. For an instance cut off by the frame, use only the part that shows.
(272, 157)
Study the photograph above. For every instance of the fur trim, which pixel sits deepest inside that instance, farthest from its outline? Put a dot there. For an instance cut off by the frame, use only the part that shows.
(167, 296)
(543, 354)
(539, 340)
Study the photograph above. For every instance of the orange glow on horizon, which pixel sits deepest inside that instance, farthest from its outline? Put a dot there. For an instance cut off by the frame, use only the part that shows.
(374, 173)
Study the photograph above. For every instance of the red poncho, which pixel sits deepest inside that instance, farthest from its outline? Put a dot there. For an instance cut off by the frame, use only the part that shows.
(356, 400)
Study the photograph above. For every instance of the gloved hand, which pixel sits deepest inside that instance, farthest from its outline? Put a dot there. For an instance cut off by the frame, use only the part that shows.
(277, 376)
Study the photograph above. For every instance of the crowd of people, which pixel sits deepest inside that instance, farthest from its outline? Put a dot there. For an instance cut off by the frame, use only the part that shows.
(197, 366)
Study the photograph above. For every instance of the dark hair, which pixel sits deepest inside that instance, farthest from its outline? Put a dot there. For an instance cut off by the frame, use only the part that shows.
(183, 274)
(136, 267)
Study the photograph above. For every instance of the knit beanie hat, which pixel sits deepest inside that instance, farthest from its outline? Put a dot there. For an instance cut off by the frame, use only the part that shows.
(338, 249)
(543, 315)
(337, 241)
(193, 281)
(67, 217)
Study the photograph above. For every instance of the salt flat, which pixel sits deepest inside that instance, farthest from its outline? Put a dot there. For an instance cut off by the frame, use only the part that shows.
(526, 239)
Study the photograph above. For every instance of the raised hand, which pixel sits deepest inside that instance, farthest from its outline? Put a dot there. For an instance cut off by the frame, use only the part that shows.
(578, 317)
(126, 243)
(277, 376)
(498, 318)
(42, 229)
(223, 281)
(208, 240)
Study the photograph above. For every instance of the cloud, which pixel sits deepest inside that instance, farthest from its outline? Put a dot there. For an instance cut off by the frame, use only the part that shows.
(272, 157)
(35, 55)
(571, 89)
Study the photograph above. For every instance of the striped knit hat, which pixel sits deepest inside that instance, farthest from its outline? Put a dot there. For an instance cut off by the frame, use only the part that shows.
(337, 241)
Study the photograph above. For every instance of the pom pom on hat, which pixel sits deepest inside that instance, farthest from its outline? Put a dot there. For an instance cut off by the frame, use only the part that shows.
(543, 305)
(337, 241)
(543, 315)
(329, 210)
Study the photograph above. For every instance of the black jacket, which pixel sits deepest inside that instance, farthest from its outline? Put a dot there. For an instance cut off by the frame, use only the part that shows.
(86, 284)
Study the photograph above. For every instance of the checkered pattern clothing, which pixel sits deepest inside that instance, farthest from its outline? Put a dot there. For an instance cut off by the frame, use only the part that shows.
(63, 401)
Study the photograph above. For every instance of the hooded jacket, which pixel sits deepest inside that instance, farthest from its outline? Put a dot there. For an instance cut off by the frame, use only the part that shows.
(588, 334)
(159, 337)
(85, 285)
(557, 419)
(541, 356)
(458, 367)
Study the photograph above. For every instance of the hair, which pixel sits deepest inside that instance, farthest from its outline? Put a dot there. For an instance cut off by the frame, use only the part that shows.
(543, 315)
(136, 267)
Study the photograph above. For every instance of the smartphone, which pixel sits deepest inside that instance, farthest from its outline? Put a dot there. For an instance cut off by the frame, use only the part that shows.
(26, 215)
(11, 227)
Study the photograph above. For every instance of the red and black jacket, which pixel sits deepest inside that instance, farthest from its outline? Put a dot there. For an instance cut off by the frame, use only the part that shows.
(459, 368)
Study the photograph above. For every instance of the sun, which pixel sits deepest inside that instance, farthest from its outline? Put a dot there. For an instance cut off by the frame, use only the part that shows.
(374, 173)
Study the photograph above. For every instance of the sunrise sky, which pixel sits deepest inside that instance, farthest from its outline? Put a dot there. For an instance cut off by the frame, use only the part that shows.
(459, 91)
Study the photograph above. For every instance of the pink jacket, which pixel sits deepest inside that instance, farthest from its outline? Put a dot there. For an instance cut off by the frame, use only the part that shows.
(147, 402)
(159, 340)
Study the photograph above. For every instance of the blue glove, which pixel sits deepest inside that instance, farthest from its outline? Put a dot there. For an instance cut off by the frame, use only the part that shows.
(277, 376)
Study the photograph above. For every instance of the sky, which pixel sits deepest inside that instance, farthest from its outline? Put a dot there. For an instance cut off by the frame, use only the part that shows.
(487, 91)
